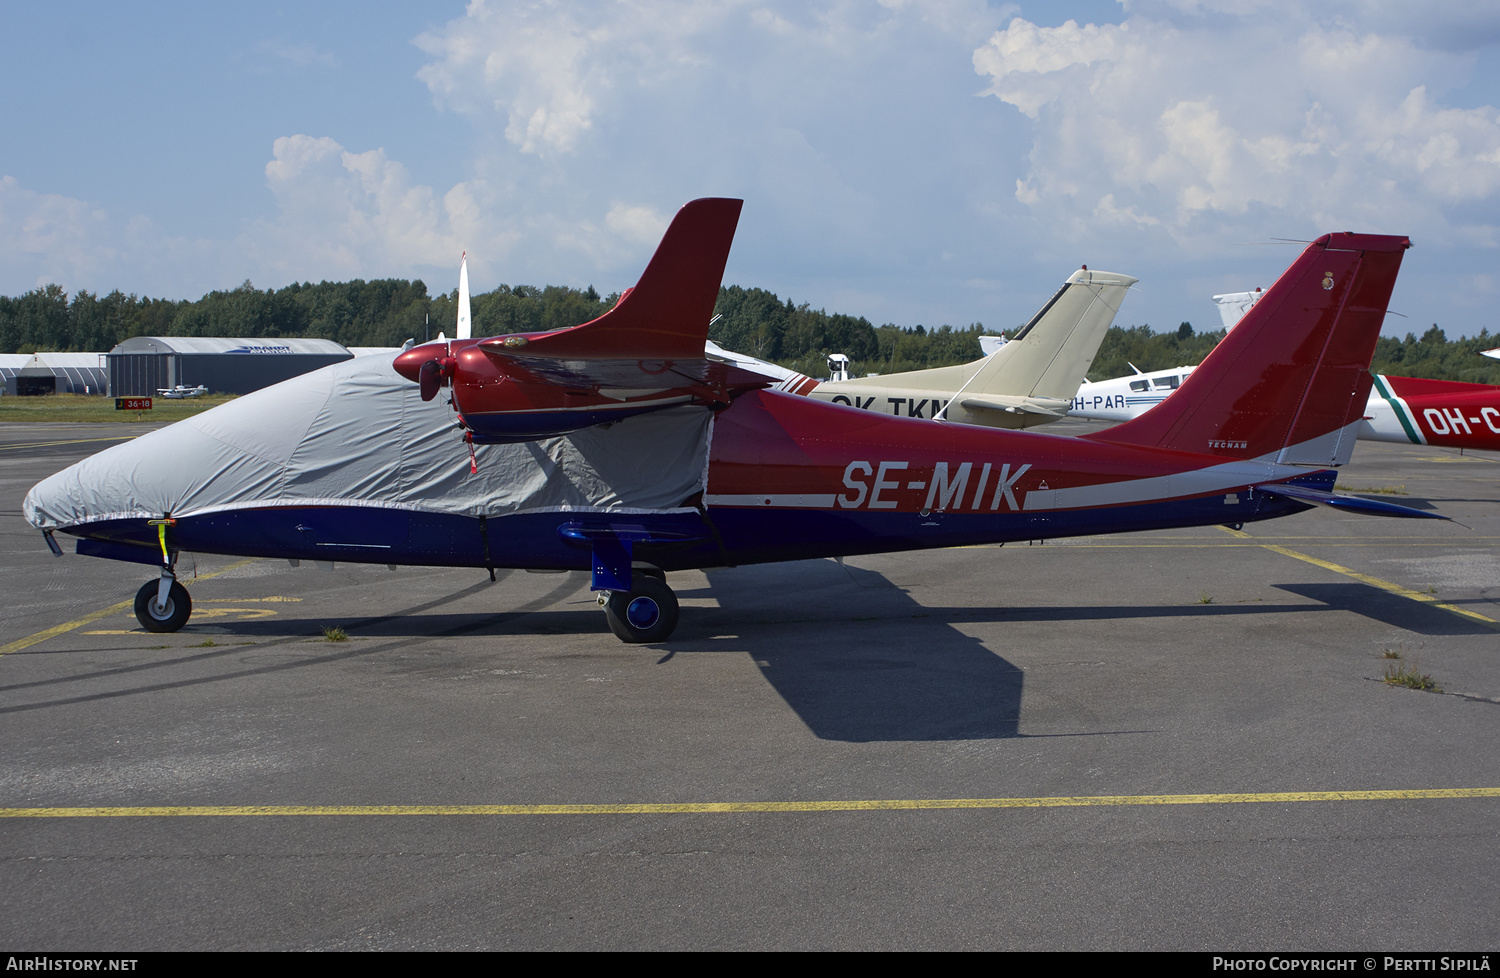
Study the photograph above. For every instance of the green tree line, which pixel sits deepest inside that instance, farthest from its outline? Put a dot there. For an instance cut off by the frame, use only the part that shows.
(383, 312)
(387, 312)
(1432, 355)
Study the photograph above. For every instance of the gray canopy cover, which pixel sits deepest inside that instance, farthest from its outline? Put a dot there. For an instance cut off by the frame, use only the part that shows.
(358, 434)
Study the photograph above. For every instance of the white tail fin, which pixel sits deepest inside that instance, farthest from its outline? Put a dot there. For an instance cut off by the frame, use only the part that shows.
(465, 329)
(1051, 355)
(1048, 358)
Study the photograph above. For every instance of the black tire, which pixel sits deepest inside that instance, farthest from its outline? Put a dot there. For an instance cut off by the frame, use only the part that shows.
(173, 617)
(645, 613)
(657, 573)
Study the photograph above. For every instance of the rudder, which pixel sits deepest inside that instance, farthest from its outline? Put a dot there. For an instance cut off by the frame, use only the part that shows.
(1291, 380)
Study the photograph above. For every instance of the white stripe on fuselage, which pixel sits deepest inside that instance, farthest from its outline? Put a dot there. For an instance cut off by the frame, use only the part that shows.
(1231, 474)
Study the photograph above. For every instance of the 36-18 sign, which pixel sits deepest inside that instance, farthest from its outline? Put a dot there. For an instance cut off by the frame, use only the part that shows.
(132, 404)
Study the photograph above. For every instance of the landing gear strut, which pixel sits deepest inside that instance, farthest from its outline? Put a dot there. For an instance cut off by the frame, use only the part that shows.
(163, 605)
(645, 613)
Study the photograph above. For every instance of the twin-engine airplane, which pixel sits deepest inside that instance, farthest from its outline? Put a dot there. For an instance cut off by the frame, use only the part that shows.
(619, 447)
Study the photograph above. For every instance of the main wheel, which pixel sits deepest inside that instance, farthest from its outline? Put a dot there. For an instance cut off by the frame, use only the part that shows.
(645, 613)
(168, 619)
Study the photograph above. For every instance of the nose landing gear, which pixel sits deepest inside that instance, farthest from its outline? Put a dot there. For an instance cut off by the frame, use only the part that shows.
(156, 615)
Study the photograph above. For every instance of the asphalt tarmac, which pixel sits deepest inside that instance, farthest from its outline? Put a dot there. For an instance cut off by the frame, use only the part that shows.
(1174, 740)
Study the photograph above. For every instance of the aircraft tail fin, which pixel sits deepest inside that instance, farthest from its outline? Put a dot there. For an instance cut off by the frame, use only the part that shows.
(1052, 353)
(1290, 381)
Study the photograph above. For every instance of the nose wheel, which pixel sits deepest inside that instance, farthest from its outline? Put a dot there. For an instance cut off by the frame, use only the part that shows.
(645, 613)
(156, 616)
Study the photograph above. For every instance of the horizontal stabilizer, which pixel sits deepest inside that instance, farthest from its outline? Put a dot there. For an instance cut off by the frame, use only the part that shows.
(1012, 405)
(1348, 504)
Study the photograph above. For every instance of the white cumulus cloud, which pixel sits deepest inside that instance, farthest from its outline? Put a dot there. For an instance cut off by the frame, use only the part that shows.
(1267, 118)
(342, 214)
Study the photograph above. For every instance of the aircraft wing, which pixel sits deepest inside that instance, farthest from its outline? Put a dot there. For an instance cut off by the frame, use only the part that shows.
(602, 375)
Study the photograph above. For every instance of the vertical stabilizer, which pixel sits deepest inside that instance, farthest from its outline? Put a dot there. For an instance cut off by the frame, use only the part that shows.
(465, 327)
(1290, 381)
(1050, 356)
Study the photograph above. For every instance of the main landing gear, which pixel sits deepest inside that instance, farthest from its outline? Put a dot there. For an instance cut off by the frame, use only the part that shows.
(645, 613)
(163, 605)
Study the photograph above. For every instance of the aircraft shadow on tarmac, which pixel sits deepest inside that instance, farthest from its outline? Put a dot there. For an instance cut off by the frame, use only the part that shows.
(854, 655)
(1373, 603)
(858, 658)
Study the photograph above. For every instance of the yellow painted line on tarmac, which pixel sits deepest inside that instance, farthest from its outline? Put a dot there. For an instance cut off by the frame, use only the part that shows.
(738, 807)
(56, 630)
(94, 616)
(71, 441)
(1384, 585)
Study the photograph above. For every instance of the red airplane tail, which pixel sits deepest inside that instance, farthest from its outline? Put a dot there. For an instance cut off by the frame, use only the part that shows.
(1291, 380)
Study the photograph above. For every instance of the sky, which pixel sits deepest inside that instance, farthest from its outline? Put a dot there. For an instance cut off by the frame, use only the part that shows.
(942, 161)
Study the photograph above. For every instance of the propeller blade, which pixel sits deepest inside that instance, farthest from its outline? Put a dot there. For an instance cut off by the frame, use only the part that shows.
(430, 377)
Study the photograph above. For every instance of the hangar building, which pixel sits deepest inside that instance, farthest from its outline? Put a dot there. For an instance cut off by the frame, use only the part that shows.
(10, 365)
(143, 365)
(53, 373)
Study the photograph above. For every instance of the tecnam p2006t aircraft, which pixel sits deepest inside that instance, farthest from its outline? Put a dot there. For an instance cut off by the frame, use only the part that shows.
(618, 447)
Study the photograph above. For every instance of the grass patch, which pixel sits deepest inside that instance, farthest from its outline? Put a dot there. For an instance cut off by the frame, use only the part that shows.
(1205, 599)
(1400, 673)
(333, 633)
(207, 643)
(1375, 490)
(84, 408)
(1390, 654)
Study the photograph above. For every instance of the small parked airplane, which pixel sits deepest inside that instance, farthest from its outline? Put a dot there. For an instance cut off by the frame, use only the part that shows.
(1027, 381)
(1410, 410)
(174, 393)
(621, 448)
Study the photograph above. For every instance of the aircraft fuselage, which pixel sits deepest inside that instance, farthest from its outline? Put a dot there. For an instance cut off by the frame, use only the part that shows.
(789, 478)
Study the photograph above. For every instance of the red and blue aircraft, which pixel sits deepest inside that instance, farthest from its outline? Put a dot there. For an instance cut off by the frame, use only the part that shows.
(1251, 435)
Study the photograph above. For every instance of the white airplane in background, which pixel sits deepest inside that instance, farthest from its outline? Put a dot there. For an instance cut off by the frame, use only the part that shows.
(1026, 381)
(178, 392)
